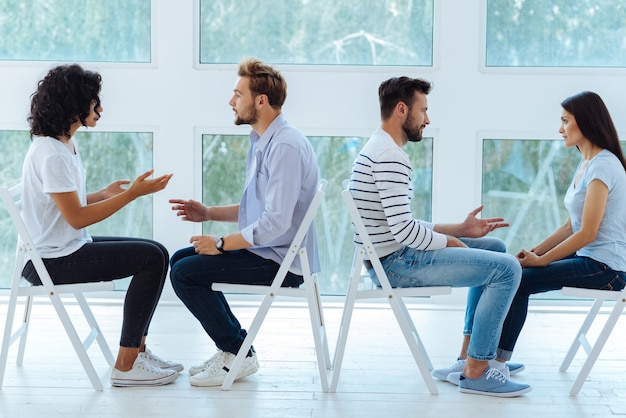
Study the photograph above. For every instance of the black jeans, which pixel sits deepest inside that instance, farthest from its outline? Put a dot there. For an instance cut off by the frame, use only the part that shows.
(192, 276)
(110, 258)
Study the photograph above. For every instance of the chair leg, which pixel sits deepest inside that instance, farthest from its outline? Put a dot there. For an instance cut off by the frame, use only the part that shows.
(247, 342)
(319, 333)
(96, 332)
(410, 334)
(581, 335)
(28, 307)
(76, 342)
(597, 347)
(346, 319)
(7, 335)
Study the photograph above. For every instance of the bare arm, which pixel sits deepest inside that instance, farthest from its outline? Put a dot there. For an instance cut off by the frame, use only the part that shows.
(563, 242)
(79, 216)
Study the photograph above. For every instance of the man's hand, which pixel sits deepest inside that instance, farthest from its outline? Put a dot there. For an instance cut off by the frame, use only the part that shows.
(205, 244)
(475, 227)
(190, 210)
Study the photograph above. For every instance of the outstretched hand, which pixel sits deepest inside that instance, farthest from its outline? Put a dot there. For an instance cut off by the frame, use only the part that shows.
(476, 227)
(190, 210)
(143, 186)
(114, 188)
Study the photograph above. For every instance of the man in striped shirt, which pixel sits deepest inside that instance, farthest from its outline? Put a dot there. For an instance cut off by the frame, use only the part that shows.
(419, 253)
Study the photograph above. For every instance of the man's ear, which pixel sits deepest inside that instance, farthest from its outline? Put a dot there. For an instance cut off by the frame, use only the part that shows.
(402, 109)
(262, 100)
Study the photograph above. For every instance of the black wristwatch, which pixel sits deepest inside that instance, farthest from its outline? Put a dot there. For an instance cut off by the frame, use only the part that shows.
(219, 244)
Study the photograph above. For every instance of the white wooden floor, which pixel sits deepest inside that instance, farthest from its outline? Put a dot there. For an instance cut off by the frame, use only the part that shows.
(379, 377)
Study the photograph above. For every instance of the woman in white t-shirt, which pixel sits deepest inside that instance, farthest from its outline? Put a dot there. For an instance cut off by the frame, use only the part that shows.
(57, 210)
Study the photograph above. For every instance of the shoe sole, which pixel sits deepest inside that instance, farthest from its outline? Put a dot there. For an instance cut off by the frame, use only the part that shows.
(497, 394)
(155, 382)
(242, 374)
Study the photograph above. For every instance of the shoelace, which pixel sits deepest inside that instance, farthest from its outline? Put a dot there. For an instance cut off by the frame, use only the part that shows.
(149, 368)
(493, 373)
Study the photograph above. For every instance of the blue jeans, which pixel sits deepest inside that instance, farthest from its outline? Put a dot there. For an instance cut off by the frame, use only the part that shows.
(192, 276)
(110, 258)
(483, 265)
(573, 271)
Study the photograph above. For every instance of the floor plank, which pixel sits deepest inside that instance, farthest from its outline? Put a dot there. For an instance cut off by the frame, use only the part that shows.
(378, 379)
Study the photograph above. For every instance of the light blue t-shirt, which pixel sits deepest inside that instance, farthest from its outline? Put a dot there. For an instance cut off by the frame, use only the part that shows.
(609, 247)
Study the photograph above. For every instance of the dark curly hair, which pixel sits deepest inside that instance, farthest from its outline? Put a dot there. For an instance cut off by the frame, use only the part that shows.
(64, 96)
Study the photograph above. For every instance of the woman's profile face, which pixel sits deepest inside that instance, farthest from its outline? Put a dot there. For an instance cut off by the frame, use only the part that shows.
(569, 130)
(95, 108)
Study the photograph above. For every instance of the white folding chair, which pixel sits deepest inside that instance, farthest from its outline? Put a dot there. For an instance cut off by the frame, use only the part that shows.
(11, 199)
(581, 339)
(310, 291)
(394, 297)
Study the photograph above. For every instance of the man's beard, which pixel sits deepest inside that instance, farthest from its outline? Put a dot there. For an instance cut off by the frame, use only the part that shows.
(413, 135)
(249, 117)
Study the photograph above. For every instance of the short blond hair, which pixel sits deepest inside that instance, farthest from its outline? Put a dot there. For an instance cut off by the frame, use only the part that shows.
(264, 79)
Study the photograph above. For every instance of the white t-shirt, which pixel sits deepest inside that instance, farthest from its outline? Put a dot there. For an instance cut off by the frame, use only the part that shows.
(50, 167)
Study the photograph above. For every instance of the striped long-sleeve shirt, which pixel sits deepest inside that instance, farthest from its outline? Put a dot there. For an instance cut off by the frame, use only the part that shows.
(381, 186)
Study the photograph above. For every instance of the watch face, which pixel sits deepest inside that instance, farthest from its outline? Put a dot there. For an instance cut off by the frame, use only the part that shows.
(219, 244)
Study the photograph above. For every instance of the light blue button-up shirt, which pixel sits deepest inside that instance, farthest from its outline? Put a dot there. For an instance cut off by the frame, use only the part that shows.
(281, 180)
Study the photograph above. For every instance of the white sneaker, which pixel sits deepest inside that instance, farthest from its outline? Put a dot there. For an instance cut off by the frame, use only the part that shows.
(194, 370)
(142, 374)
(157, 361)
(215, 373)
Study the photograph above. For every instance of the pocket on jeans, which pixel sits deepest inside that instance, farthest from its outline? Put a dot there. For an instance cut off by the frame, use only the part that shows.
(616, 284)
(400, 280)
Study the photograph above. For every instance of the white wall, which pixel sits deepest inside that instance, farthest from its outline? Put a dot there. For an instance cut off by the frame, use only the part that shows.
(173, 98)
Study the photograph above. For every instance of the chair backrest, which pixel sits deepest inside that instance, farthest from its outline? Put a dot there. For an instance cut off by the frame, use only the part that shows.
(296, 243)
(367, 247)
(11, 197)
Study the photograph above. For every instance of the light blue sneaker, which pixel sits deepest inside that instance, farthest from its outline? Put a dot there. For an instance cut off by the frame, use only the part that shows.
(492, 383)
(515, 368)
(454, 377)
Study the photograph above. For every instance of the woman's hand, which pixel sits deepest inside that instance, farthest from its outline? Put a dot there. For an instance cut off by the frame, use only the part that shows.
(143, 186)
(530, 259)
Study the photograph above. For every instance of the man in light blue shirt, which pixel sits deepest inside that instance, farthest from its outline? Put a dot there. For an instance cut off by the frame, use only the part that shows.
(281, 180)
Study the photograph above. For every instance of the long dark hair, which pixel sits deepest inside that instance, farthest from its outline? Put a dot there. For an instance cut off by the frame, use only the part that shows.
(64, 96)
(594, 121)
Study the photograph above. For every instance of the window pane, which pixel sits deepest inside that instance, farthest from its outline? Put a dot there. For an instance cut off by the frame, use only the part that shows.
(108, 156)
(329, 32)
(75, 30)
(335, 155)
(556, 33)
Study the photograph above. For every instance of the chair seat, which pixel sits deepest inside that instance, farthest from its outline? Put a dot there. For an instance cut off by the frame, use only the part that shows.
(394, 296)
(309, 291)
(11, 199)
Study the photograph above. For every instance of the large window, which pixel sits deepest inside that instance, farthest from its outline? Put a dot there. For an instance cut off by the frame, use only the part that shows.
(556, 33)
(108, 156)
(75, 30)
(335, 155)
(525, 182)
(328, 32)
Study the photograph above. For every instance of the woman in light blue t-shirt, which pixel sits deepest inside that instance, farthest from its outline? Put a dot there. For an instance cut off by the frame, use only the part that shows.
(589, 249)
